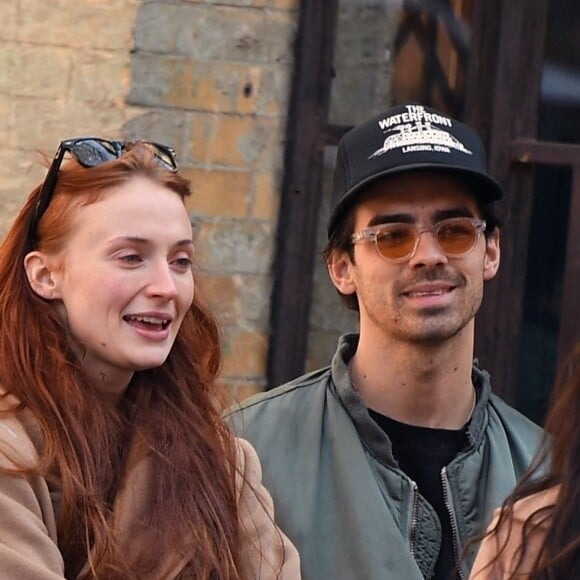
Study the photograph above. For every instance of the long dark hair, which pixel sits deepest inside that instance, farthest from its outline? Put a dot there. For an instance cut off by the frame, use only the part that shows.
(556, 465)
(167, 416)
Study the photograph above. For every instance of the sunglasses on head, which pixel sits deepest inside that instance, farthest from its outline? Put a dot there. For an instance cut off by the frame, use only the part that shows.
(398, 242)
(91, 152)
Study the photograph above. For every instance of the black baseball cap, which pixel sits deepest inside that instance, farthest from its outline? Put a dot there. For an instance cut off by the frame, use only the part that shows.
(408, 138)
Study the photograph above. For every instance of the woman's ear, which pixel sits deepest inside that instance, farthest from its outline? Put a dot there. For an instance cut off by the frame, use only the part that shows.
(339, 269)
(42, 275)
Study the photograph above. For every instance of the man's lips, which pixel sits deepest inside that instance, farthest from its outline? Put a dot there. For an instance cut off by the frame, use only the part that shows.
(430, 289)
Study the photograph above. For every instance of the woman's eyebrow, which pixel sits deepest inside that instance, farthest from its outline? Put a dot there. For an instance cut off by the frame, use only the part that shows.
(184, 242)
(132, 239)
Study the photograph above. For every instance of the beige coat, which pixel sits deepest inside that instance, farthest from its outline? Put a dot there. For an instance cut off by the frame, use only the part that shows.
(505, 565)
(28, 532)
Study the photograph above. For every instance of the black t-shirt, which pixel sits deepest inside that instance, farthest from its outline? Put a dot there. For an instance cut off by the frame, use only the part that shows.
(422, 453)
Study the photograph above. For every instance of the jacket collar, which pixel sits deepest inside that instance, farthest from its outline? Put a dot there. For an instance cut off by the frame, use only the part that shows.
(370, 433)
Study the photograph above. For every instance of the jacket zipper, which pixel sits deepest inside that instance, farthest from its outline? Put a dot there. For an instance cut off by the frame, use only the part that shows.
(414, 518)
(452, 518)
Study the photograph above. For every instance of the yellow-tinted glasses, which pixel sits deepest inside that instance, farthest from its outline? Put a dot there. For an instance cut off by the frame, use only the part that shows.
(398, 242)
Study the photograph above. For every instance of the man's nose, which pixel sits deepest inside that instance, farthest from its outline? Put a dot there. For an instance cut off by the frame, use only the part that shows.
(428, 251)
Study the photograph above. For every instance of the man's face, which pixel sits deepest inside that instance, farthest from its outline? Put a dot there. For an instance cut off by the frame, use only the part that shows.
(431, 296)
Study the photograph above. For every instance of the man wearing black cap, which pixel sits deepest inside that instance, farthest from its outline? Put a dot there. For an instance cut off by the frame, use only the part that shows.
(384, 464)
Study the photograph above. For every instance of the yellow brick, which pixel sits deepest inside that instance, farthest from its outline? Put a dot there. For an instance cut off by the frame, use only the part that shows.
(266, 196)
(245, 390)
(284, 4)
(202, 131)
(210, 86)
(112, 70)
(10, 30)
(45, 123)
(31, 71)
(7, 113)
(182, 82)
(249, 90)
(218, 192)
(207, 95)
(232, 136)
(230, 392)
(273, 102)
(244, 353)
(221, 293)
(92, 24)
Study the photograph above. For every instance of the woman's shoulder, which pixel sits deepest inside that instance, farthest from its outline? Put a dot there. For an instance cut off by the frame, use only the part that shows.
(498, 556)
(248, 469)
(247, 458)
(267, 551)
(527, 506)
(29, 546)
(20, 438)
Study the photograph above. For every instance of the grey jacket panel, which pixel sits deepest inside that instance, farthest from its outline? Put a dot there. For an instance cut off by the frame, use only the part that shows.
(338, 491)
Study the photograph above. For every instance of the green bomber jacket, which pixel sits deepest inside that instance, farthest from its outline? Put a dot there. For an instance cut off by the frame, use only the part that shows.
(339, 493)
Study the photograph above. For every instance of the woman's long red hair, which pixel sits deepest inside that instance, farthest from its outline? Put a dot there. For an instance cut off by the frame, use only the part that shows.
(167, 414)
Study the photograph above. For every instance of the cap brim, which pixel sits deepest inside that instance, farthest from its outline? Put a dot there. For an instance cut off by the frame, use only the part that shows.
(483, 186)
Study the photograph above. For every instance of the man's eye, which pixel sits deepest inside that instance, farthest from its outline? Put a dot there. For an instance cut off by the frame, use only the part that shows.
(456, 230)
(393, 235)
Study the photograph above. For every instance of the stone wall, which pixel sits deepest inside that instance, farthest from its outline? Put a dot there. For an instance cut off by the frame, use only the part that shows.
(64, 72)
(214, 77)
(210, 78)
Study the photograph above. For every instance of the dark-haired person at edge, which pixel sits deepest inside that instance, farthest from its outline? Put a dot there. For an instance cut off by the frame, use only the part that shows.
(536, 533)
(114, 460)
(385, 463)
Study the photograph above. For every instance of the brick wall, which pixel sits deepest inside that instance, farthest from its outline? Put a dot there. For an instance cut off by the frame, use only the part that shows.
(64, 72)
(210, 78)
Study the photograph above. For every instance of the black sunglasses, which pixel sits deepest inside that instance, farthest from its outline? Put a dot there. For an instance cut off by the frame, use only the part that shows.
(91, 152)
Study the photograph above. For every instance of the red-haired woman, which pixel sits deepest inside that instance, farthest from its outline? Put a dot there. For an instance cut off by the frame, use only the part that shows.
(114, 462)
(536, 533)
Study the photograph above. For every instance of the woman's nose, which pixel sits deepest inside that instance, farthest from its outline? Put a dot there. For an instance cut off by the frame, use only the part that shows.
(162, 282)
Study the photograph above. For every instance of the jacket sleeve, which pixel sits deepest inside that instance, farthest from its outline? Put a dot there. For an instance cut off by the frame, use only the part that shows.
(28, 546)
(266, 551)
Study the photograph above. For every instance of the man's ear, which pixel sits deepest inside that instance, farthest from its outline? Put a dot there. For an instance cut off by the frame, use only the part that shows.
(340, 271)
(42, 275)
(492, 256)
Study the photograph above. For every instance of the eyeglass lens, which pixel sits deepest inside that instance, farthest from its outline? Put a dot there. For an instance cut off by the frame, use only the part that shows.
(399, 240)
(92, 152)
(165, 156)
